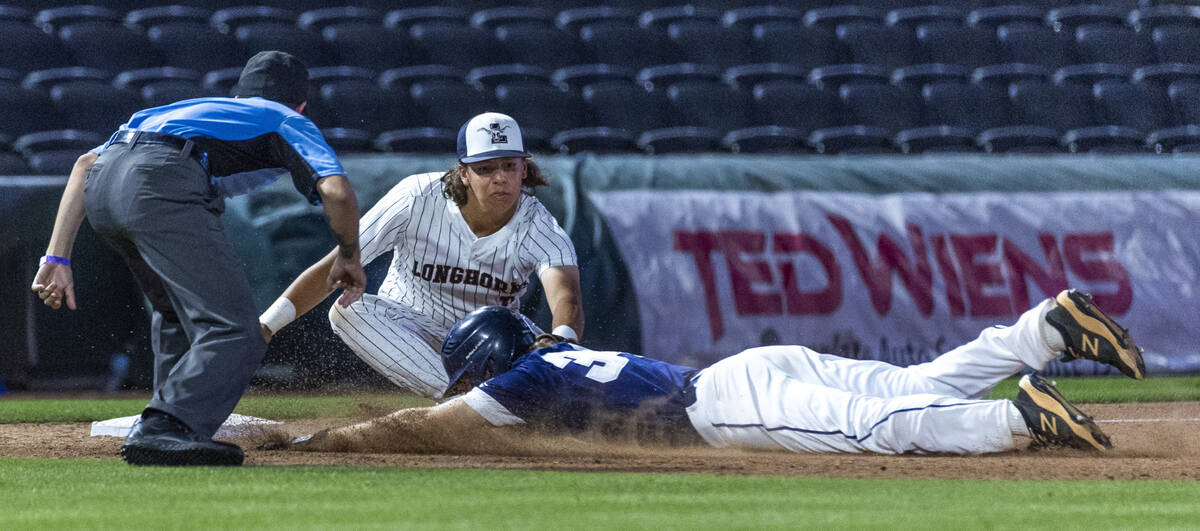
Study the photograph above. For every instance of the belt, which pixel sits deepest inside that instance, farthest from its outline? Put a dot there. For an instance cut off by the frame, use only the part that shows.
(186, 147)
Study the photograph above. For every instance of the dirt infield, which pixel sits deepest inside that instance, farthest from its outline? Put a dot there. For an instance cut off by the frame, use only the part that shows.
(1151, 441)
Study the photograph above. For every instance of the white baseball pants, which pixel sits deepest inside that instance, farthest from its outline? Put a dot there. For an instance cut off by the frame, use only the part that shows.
(397, 342)
(804, 401)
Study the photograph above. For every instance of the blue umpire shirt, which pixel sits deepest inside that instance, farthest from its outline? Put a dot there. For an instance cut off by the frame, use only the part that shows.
(568, 386)
(248, 142)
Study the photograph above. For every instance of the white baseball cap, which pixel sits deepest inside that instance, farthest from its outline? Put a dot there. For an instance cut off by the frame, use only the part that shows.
(490, 135)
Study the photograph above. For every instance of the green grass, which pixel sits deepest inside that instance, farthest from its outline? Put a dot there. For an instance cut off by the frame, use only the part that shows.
(271, 407)
(77, 494)
(1116, 389)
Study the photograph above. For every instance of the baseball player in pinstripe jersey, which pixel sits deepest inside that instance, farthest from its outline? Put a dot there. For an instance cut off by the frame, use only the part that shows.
(460, 240)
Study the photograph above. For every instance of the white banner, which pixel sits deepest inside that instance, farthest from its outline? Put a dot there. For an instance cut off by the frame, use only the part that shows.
(902, 277)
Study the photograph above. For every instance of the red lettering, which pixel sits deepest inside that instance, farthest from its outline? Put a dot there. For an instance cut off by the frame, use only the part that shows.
(954, 297)
(701, 246)
(1099, 269)
(799, 302)
(744, 274)
(917, 276)
(1050, 280)
(977, 275)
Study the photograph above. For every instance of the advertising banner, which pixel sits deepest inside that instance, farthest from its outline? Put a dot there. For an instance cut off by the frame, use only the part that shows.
(901, 277)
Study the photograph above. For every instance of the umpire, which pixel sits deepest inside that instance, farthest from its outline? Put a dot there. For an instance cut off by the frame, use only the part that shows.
(155, 192)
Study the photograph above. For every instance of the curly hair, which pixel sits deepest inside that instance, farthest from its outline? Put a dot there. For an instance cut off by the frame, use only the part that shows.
(454, 189)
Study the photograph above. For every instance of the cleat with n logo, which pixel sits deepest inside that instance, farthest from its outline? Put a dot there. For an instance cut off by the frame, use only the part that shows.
(1052, 421)
(1091, 334)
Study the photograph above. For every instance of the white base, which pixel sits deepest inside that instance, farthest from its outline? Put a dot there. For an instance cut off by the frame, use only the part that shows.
(236, 425)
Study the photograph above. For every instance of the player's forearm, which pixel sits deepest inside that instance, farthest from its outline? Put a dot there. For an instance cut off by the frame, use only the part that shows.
(70, 209)
(309, 289)
(564, 297)
(341, 211)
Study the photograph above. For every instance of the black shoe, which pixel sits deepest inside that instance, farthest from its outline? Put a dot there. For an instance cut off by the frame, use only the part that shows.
(1090, 334)
(1052, 421)
(161, 439)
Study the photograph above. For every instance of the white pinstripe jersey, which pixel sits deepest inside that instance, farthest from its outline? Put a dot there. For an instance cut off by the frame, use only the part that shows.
(440, 268)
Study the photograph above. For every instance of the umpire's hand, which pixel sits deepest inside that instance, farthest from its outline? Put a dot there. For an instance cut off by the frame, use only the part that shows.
(347, 275)
(54, 282)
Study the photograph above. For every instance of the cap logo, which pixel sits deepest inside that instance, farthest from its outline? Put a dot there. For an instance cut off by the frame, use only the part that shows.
(497, 132)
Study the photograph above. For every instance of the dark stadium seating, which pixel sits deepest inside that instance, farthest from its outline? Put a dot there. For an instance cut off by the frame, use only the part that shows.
(54, 152)
(798, 76)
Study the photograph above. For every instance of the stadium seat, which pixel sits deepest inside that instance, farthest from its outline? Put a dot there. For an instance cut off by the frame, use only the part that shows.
(833, 16)
(488, 77)
(996, 16)
(228, 20)
(1008, 73)
(1165, 74)
(403, 20)
(541, 45)
(89, 33)
(794, 105)
(86, 96)
(517, 16)
(12, 163)
(577, 76)
(1176, 44)
(55, 152)
(796, 44)
(28, 48)
(885, 106)
(708, 104)
(308, 46)
(1185, 98)
(26, 110)
(624, 105)
(709, 42)
(1034, 44)
(634, 47)
(745, 77)
(658, 19)
(348, 97)
(833, 76)
(448, 104)
(1067, 18)
(541, 109)
(1060, 107)
(680, 140)
(1140, 106)
(662, 76)
(917, 76)
(195, 46)
(746, 18)
(912, 17)
(146, 18)
(573, 20)
(357, 38)
(1020, 139)
(953, 44)
(594, 140)
(345, 141)
(1105, 139)
(767, 139)
(54, 19)
(1090, 73)
(1145, 19)
(1181, 139)
(220, 82)
(419, 140)
(161, 85)
(461, 46)
(404, 77)
(1103, 43)
(969, 106)
(873, 43)
(852, 140)
(936, 139)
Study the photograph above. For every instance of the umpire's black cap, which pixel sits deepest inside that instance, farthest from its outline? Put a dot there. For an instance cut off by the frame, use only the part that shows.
(274, 75)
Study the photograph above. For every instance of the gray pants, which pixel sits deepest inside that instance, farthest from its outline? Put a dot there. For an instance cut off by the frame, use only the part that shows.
(159, 210)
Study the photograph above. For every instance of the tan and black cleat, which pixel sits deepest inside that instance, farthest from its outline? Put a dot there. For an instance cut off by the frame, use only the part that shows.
(1092, 335)
(1053, 421)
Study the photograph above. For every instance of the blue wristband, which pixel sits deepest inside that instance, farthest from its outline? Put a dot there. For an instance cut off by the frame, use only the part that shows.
(55, 260)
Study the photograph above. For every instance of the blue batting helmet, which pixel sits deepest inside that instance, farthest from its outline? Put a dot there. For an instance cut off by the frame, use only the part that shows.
(490, 336)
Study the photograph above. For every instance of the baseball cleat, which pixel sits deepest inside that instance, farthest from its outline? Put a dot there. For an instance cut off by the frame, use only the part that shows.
(1092, 335)
(158, 439)
(1053, 421)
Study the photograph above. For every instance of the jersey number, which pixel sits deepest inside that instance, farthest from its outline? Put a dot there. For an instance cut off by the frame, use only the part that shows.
(604, 366)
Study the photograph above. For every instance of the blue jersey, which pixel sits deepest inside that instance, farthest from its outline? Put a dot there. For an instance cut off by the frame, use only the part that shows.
(249, 142)
(569, 387)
